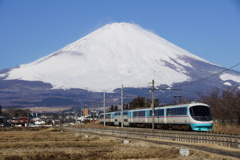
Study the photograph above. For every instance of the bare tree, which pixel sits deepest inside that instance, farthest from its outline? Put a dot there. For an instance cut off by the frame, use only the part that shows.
(225, 104)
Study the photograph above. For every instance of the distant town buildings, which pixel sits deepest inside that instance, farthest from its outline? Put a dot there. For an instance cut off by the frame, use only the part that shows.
(26, 118)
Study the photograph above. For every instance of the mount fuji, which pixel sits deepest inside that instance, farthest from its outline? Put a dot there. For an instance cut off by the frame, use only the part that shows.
(120, 54)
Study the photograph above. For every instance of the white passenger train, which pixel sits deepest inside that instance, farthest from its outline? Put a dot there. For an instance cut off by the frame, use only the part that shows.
(193, 116)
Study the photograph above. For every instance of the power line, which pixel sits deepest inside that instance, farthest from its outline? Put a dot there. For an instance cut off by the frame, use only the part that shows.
(208, 76)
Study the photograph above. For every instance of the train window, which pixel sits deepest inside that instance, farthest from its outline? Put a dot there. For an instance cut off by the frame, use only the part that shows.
(107, 116)
(141, 113)
(150, 113)
(169, 112)
(177, 111)
(200, 111)
(159, 112)
(119, 113)
(135, 114)
(183, 111)
(138, 113)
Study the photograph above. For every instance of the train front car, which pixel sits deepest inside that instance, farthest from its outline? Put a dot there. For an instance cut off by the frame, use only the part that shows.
(200, 117)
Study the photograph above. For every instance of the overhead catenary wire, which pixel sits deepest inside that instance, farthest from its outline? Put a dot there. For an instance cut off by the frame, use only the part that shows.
(207, 77)
(182, 85)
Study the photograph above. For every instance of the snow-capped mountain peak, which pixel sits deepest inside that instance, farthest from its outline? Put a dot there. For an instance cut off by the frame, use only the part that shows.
(116, 54)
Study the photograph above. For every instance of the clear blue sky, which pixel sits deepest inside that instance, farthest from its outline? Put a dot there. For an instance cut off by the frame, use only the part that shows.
(31, 29)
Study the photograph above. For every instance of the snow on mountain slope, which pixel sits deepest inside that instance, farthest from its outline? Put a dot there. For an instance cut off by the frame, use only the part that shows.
(232, 77)
(116, 54)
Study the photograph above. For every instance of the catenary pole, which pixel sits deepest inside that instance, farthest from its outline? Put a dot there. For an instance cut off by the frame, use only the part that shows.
(104, 106)
(152, 105)
(122, 107)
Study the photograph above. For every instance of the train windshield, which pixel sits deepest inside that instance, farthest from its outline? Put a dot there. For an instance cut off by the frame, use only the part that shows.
(201, 113)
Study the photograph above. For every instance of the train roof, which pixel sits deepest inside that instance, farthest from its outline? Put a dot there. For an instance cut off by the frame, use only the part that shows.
(165, 106)
(183, 104)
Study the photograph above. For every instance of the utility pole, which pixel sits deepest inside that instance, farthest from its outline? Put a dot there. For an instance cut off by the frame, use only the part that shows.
(59, 118)
(80, 115)
(104, 106)
(152, 105)
(76, 115)
(122, 107)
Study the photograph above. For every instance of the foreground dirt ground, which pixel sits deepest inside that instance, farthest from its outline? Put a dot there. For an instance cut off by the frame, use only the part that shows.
(59, 144)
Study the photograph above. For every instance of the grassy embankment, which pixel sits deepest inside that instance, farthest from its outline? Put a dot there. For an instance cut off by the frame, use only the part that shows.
(226, 128)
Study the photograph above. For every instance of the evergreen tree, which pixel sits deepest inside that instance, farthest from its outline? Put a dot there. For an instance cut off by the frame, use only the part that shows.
(138, 102)
(141, 102)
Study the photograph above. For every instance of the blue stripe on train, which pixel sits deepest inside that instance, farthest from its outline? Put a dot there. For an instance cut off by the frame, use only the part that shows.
(201, 126)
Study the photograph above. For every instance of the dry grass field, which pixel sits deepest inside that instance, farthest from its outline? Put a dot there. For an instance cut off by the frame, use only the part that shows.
(227, 128)
(55, 144)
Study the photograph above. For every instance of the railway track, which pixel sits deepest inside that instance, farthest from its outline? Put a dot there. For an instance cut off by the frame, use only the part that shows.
(226, 140)
(137, 135)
